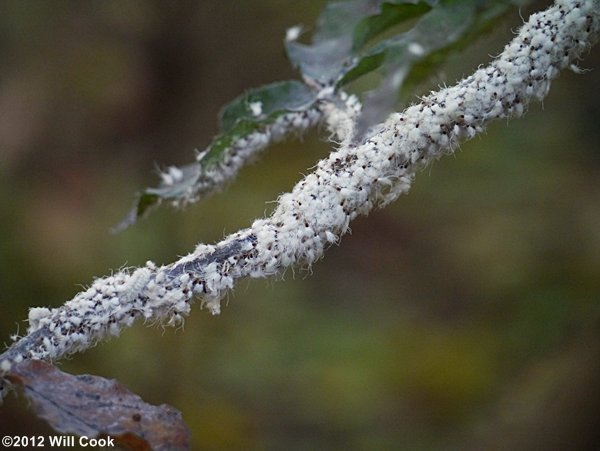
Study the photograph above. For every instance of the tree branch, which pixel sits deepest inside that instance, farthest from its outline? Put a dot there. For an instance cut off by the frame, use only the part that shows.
(354, 179)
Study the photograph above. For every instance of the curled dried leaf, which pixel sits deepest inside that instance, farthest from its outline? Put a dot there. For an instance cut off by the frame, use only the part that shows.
(96, 407)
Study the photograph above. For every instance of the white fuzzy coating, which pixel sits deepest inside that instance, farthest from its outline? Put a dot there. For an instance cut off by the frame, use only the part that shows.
(245, 149)
(255, 108)
(134, 285)
(416, 49)
(293, 33)
(337, 110)
(171, 176)
(341, 117)
(5, 365)
(351, 181)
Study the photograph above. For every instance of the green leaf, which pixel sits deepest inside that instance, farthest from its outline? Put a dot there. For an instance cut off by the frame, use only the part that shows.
(393, 12)
(146, 201)
(219, 147)
(182, 180)
(263, 102)
(343, 29)
(443, 25)
(254, 110)
(324, 60)
(248, 113)
(142, 205)
(430, 40)
(485, 17)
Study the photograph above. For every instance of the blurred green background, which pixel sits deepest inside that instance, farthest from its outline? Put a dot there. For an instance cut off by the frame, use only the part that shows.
(464, 316)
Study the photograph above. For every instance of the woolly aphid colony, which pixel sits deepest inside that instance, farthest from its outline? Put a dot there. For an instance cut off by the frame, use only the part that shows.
(358, 176)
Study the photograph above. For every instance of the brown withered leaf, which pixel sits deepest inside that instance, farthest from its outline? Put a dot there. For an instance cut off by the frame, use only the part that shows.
(97, 407)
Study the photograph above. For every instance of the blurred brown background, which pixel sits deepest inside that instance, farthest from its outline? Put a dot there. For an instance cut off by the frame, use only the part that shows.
(464, 316)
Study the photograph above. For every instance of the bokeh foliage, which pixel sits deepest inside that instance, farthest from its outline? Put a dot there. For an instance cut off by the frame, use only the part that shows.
(464, 316)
